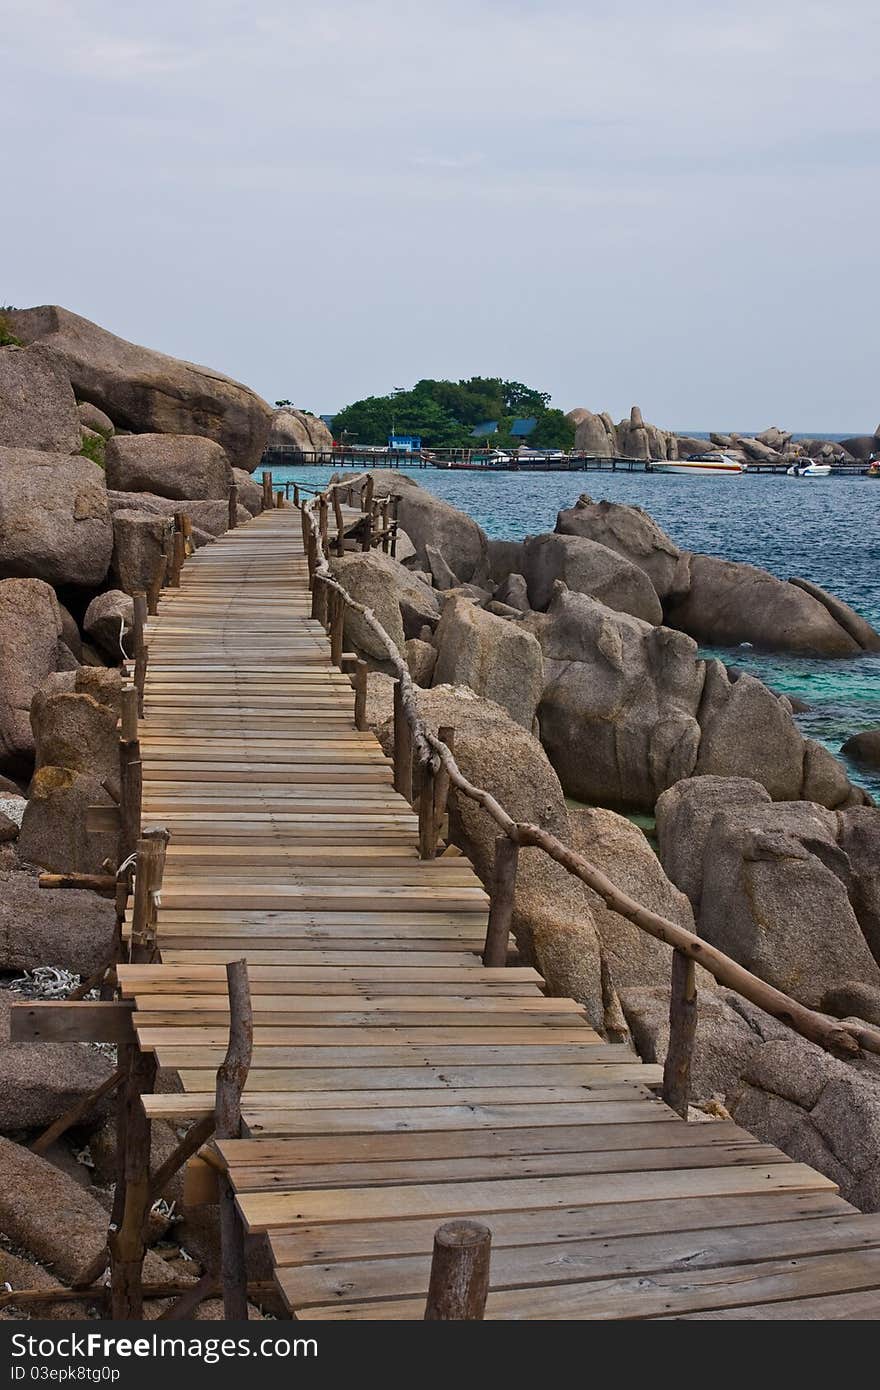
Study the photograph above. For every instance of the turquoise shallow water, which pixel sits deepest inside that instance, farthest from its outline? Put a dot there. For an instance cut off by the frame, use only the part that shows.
(827, 530)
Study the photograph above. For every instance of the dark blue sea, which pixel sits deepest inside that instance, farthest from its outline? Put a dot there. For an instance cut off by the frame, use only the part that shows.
(824, 529)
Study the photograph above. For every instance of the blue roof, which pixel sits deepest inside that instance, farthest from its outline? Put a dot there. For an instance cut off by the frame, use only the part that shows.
(524, 426)
(488, 427)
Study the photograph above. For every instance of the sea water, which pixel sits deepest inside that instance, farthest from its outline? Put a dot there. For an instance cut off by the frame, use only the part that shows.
(823, 529)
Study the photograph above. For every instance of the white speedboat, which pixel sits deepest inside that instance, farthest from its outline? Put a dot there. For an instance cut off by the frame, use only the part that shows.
(809, 470)
(711, 464)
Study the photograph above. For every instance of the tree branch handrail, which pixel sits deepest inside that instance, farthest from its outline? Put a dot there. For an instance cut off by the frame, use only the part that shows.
(829, 1033)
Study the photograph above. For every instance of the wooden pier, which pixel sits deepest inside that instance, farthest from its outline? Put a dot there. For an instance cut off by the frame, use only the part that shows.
(395, 1082)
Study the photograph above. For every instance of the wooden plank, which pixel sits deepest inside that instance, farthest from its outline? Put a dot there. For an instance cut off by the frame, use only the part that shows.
(66, 1020)
(266, 1211)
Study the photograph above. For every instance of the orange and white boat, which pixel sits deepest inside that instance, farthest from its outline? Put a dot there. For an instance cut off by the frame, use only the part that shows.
(713, 464)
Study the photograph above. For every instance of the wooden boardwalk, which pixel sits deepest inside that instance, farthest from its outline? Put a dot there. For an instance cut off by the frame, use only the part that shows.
(396, 1083)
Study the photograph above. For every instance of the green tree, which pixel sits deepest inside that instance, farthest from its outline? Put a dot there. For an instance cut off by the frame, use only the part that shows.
(553, 431)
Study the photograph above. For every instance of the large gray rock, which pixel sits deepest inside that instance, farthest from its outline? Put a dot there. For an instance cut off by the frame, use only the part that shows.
(864, 747)
(209, 518)
(49, 926)
(108, 622)
(75, 731)
(505, 557)
(684, 814)
(40, 1081)
(612, 844)
(513, 593)
(300, 430)
(139, 542)
(429, 521)
(723, 1045)
(400, 601)
(495, 658)
(859, 838)
(54, 519)
(619, 712)
(818, 1110)
(37, 405)
(852, 622)
(146, 391)
(727, 603)
(747, 732)
(588, 567)
(421, 658)
(250, 496)
(594, 435)
(629, 532)
(91, 418)
(825, 779)
(176, 466)
(53, 831)
(775, 898)
(30, 628)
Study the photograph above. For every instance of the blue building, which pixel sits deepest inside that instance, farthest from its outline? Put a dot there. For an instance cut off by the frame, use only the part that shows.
(405, 443)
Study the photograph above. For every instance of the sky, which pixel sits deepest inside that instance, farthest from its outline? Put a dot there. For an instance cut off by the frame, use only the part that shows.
(675, 205)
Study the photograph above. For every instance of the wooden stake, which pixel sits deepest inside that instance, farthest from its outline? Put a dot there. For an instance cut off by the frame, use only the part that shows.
(312, 559)
(296, 494)
(359, 681)
(157, 582)
(231, 1079)
(127, 1244)
(178, 555)
(403, 746)
(367, 508)
(427, 825)
(74, 1114)
(233, 506)
(129, 714)
(502, 900)
(140, 647)
(446, 734)
(267, 491)
(319, 600)
(337, 626)
(323, 522)
(459, 1282)
(340, 525)
(682, 1031)
(279, 498)
(151, 849)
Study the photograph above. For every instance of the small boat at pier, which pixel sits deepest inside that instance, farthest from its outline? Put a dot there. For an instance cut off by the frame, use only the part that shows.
(706, 465)
(809, 470)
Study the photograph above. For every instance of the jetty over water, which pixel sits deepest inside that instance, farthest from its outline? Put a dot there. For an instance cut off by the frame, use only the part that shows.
(396, 1082)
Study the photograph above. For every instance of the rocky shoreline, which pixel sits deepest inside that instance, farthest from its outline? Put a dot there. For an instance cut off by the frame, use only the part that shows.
(569, 667)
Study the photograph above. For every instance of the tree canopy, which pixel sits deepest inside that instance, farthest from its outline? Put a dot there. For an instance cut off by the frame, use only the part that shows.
(443, 413)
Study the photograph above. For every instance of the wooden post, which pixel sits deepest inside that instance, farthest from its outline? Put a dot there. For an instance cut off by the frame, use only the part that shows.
(323, 526)
(178, 555)
(446, 734)
(140, 646)
(359, 681)
(340, 525)
(403, 746)
(682, 1030)
(156, 582)
(427, 825)
(395, 501)
(459, 1282)
(367, 507)
(337, 626)
(233, 507)
(306, 533)
(267, 491)
(279, 498)
(319, 600)
(385, 535)
(502, 899)
(131, 1204)
(150, 868)
(130, 777)
(231, 1078)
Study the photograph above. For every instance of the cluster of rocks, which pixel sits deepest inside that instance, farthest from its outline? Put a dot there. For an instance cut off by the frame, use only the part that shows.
(299, 431)
(101, 443)
(599, 437)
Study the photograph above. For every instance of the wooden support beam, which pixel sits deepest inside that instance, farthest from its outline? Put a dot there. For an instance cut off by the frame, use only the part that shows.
(267, 491)
(337, 626)
(105, 884)
(296, 494)
(323, 522)
(279, 498)
(682, 1031)
(359, 681)
(158, 580)
(367, 509)
(233, 507)
(340, 525)
(502, 899)
(459, 1281)
(188, 1302)
(126, 1241)
(197, 1135)
(75, 1114)
(231, 1078)
(446, 734)
(403, 746)
(178, 555)
(63, 1020)
(427, 825)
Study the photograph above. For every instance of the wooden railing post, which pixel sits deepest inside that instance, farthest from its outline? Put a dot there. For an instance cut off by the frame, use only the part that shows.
(403, 746)
(394, 506)
(279, 498)
(459, 1282)
(267, 491)
(337, 626)
(296, 494)
(233, 506)
(319, 600)
(385, 532)
(682, 1031)
(446, 734)
(340, 524)
(149, 870)
(427, 827)
(323, 522)
(178, 555)
(131, 1202)
(367, 508)
(502, 900)
(140, 646)
(130, 776)
(231, 1079)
